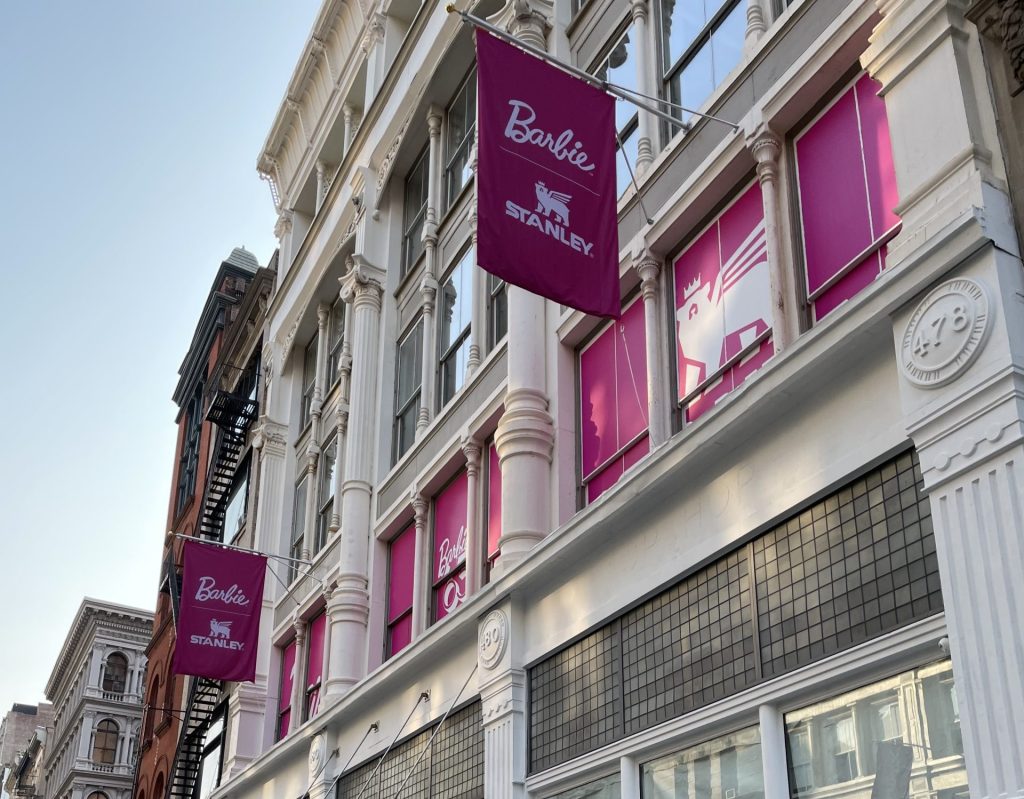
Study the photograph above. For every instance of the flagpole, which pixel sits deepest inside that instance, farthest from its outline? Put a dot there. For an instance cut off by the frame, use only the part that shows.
(611, 88)
(242, 549)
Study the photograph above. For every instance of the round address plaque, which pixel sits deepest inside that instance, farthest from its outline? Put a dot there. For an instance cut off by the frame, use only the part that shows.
(493, 638)
(945, 333)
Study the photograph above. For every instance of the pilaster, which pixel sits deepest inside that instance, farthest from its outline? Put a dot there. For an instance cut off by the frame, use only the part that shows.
(649, 269)
(422, 569)
(298, 675)
(757, 24)
(477, 333)
(372, 44)
(960, 348)
(472, 449)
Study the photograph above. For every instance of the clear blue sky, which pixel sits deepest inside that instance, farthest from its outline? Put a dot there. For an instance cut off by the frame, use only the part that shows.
(129, 132)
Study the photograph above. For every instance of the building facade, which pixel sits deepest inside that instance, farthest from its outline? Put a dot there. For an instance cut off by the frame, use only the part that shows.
(96, 688)
(210, 496)
(762, 535)
(22, 742)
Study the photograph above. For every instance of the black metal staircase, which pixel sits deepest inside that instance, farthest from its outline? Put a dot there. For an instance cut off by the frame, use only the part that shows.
(233, 414)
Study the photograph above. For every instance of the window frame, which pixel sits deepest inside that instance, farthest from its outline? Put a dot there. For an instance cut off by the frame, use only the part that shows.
(412, 403)
(188, 461)
(497, 296)
(284, 703)
(392, 621)
(298, 535)
(243, 471)
(335, 341)
(210, 747)
(465, 259)
(452, 154)
(325, 507)
(632, 126)
(103, 728)
(437, 581)
(412, 251)
(307, 689)
(106, 674)
(308, 382)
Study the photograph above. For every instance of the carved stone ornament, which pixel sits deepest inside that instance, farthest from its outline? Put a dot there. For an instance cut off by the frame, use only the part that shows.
(945, 333)
(388, 161)
(317, 752)
(493, 638)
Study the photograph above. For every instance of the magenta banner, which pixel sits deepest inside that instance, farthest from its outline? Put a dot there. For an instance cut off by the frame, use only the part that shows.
(546, 218)
(219, 620)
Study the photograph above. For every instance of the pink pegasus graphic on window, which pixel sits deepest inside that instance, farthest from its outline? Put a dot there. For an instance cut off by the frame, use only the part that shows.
(723, 300)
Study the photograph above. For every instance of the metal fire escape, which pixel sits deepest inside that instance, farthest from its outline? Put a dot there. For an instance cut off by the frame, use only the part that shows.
(233, 414)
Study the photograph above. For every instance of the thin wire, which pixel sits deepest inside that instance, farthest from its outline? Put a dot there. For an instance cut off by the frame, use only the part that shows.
(629, 362)
(380, 762)
(319, 771)
(437, 729)
(284, 585)
(629, 166)
(344, 768)
(670, 104)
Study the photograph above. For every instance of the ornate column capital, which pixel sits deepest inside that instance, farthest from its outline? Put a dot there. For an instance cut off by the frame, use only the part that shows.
(284, 224)
(374, 32)
(428, 290)
(649, 269)
(639, 9)
(434, 117)
(766, 147)
(299, 626)
(420, 506)
(363, 284)
(472, 448)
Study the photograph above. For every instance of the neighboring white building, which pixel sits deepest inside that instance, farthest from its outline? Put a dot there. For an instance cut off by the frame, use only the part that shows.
(755, 538)
(96, 691)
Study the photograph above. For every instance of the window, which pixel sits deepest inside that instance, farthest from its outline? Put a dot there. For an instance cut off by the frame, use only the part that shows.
(493, 506)
(234, 512)
(298, 526)
(97, 795)
(619, 67)
(454, 316)
(188, 464)
(248, 382)
(723, 305)
(104, 743)
(449, 572)
(210, 762)
(840, 749)
(325, 493)
(284, 700)
(407, 388)
(607, 788)
(150, 709)
(847, 191)
(497, 310)
(308, 382)
(729, 766)
(613, 401)
(115, 673)
(461, 126)
(801, 771)
(315, 664)
(887, 721)
(335, 340)
(701, 44)
(416, 187)
(943, 712)
(401, 565)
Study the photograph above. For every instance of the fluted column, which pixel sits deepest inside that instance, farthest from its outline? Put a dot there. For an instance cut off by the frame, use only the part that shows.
(422, 568)
(640, 11)
(428, 286)
(649, 269)
(502, 681)
(471, 448)
(766, 147)
(362, 289)
(525, 435)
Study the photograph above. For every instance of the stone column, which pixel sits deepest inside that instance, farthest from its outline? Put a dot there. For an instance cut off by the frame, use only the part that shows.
(474, 541)
(349, 607)
(649, 269)
(645, 120)
(428, 286)
(525, 435)
(766, 147)
(372, 45)
(502, 681)
(95, 668)
(773, 753)
(298, 676)
(422, 567)
(283, 233)
(351, 122)
(85, 739)
(757, 24)
(477, 331)
(341, 414)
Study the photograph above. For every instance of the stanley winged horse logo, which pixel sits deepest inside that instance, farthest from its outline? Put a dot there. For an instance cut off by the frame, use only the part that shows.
(553, 202)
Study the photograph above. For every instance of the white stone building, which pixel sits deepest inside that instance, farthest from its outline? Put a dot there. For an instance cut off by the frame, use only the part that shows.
(96, 690)
(761, 537)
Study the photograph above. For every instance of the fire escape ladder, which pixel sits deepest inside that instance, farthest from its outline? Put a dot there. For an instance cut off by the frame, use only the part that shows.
(203, 698)
(233, 414)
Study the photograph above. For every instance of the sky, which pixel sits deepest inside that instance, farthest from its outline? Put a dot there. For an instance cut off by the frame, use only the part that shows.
(129, 131)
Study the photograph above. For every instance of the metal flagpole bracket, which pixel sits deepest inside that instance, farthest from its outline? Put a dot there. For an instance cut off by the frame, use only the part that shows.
(629, 95)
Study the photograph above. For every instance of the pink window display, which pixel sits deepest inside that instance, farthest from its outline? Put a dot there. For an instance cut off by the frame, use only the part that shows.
(284, 701)
(315, 664)
(493, 505)
(847, 187)
(723, 305)
(613, 401)
(401, 565)
(449, 575)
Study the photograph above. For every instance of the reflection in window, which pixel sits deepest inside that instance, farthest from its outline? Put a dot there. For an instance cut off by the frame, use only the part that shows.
(407, 388)
(497, 310)
(461, 126)
(210, 766)
(234, 513)
(335, 340)
(702, 43)
(115, 673)
(860, 736)
(308, 382)
(620, 68)
(401, 565)
(325, 493)
(416, 187)
(298, 526)
(454, 315)
(729, 766)
(607, 788)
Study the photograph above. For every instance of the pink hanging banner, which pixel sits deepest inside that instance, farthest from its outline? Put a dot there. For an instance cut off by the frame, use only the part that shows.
(219, 621)
(546, 198)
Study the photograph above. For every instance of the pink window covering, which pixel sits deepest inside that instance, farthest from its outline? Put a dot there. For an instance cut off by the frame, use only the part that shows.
(847, 187)
(723, 304)
(613, 398)
(315, 664)
(449, 577)
(287, 681)
(401, 564)
(493, 503)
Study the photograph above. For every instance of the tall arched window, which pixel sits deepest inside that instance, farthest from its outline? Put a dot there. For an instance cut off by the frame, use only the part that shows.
(104, 745)
(97, 795)
(115, 675)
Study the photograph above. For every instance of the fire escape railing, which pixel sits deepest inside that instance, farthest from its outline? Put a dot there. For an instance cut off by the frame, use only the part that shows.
(233, 415)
